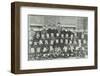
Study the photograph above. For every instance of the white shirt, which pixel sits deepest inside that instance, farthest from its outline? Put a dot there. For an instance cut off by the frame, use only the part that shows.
(66, 35)
(52, 34)
(62, 35)
(82, 36)
(38, 49)
(61, 40)
(35, 43)
(57, 34)
(66, 41)
(32, 50)
(52, 42)
(46, 41)
(65, 48)
(40, 42)
(57, 41)
(51, 48)
(43, 36)
(47, 35)
(44, 49)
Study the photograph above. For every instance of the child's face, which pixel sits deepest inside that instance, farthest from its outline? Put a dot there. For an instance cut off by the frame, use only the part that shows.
(62, 35)
(66, 41)
(75, 34)
(52, 34)
(66, 35)
(47, 35)
(70, 42)
(71, 36)
(57, 34)
(61, 40)
(57, 41)
(79, 41)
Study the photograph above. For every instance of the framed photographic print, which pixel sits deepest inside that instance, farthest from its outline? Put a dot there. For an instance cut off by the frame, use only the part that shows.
(52, 37)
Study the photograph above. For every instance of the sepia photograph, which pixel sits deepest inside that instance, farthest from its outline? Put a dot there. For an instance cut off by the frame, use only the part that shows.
(57, 37)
